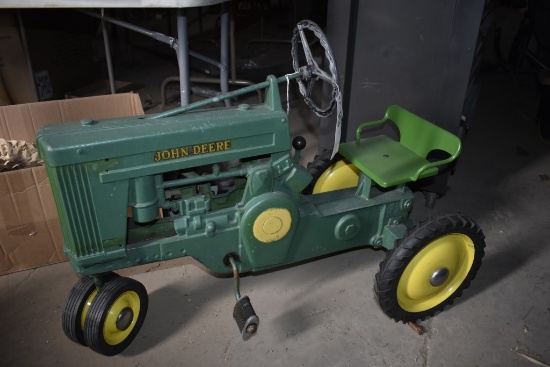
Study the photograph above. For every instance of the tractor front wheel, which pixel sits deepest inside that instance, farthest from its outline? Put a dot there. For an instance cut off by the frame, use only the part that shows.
(76, 308)
(115, 316)
(429, 268)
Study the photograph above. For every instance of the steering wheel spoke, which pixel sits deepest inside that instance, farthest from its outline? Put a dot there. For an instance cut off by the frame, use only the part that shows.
(310, 85)
(324, 75)
(305, 46)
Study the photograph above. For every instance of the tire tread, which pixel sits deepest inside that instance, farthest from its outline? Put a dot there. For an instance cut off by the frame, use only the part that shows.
(70, 318)
(93, 326)
(392, 267)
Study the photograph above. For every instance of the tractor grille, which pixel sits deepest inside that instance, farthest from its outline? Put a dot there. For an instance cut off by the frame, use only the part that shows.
(72, 193)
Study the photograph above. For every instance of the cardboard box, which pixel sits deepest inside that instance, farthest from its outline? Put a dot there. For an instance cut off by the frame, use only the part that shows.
(57, 56)
(30, 234)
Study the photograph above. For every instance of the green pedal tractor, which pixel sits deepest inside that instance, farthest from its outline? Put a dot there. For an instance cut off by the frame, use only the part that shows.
(223, 186)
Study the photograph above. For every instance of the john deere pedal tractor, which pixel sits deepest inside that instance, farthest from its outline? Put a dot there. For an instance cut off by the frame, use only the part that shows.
(223, 186)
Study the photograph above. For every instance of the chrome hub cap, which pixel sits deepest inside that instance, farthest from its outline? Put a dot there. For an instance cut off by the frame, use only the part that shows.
(439, 277)
(124, 319)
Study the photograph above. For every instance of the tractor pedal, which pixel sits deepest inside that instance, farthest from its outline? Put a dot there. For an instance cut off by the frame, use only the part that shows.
(247, 320)
(243, 312)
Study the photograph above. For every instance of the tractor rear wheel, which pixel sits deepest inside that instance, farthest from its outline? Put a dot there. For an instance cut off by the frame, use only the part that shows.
(429, 268)
(331, 174)
(115, 316)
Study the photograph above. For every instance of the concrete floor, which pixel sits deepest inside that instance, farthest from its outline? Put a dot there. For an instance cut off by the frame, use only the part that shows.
(322, 313)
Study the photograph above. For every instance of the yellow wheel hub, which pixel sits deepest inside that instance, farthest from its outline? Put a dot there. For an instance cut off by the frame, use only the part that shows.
(121, 318)
(87, 307)
(435, 272)
(341, 175)
(272, 225)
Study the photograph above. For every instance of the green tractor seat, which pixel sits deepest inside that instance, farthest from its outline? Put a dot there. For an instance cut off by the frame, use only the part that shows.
(388, 162)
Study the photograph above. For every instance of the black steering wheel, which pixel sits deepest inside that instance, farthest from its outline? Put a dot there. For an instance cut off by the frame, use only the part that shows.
(312, 71)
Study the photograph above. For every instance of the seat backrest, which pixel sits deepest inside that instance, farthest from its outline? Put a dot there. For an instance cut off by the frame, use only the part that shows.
(421, 136)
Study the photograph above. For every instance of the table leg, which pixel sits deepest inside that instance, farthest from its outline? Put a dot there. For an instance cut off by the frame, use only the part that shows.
(108, 56)
(224, 52)
(183, 57)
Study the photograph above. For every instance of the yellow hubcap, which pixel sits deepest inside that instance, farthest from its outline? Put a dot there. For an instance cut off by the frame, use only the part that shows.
(435, 272)
(272, 225)
(341, 175)
(122, 317)
(86, 308)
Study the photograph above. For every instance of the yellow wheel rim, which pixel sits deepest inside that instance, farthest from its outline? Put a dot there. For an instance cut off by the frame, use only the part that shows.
(435, 273)
(121, 318)
(86, 308)
(341, 175)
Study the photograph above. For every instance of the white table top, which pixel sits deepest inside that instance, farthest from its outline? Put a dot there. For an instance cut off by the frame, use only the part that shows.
(106, 3)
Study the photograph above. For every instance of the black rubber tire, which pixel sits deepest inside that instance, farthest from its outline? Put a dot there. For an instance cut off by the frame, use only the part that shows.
(99, 310)
(396, 261)
(72, 313)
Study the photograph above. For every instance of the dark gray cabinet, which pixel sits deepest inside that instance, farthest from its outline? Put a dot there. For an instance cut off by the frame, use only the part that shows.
(416, 54)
